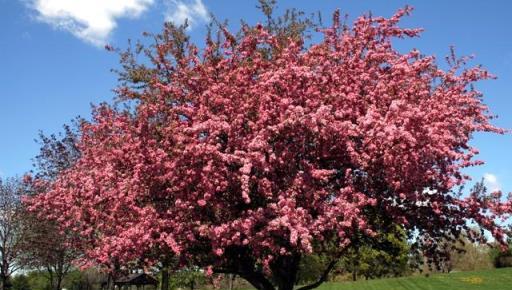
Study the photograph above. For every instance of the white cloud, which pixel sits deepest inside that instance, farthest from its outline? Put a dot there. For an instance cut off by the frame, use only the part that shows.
(491, 182)
(194, 10)
(90, 20)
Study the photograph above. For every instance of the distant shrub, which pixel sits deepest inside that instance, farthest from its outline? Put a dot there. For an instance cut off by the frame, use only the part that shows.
(20, 282)
(473, 257)
(502, 259)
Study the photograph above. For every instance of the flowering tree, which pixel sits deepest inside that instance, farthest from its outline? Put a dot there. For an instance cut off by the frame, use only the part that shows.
(44, 246)
(259, 150)
(12, 231)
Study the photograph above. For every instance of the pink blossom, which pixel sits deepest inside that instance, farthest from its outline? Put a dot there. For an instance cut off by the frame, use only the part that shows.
(272, 155)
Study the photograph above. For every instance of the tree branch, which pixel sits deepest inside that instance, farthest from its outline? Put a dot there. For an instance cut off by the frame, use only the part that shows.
(325, 274)
(256, 279)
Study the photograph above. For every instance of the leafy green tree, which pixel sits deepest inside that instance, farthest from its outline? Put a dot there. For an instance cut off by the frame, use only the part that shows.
(385, 255)
(190, 278)
(310, 268)
(12, 230)
(501, 258)
(37, 280)
(470, 256)
(20, 282)
(84, 280)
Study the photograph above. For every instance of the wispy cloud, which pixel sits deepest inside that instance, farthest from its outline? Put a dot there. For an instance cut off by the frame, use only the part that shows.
(94, 20)
(89, 20)
(192, 10)
(491, 182)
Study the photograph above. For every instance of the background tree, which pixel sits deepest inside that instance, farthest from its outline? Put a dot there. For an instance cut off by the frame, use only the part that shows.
(57, 152)
(469, 256)
(384, 255)
(188, 278)
(310, 268)
(48, 249)
(89, 279)
(260, 150)
(11, 228)
(21, 282)
(501, 259)
(45, 246)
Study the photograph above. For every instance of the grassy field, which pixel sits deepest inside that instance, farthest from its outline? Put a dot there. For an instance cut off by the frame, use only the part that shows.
(499, 279)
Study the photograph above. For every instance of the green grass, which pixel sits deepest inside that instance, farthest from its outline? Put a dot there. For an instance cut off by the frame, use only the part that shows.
(498, 279)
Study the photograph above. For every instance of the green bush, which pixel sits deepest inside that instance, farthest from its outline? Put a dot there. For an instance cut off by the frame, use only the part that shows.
(192, 278)
(37, 280)
(502, 259)
(20, 282)
(310, 269)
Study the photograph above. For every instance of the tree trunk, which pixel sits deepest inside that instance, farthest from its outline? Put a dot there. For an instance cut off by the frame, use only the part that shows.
(284, 274)
(231, 280)
(258, 281)
(50, 277)
(5, 282)
(285, 271)
(4, 275)
(110, 281)
(58, 282)
(59, 272)
(113, 275)
(287, 282)
(165, 278)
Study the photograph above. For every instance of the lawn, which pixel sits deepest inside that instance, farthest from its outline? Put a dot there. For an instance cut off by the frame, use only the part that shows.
(499, 279)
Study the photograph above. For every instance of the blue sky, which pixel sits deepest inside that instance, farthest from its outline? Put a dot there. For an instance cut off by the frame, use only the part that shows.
(53, 66)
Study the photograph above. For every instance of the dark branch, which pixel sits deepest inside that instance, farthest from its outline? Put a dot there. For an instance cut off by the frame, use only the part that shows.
(325, 274)
(256, 279)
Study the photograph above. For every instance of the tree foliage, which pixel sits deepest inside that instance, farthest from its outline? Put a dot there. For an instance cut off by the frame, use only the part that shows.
(501, 258)
(469, 256)
(258, 150)
(384, 255)
(12, 230)
(21, 282)
(46, 246)
(188, 278)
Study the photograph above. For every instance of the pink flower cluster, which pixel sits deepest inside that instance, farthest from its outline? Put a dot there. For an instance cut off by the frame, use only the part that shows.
(277, 154)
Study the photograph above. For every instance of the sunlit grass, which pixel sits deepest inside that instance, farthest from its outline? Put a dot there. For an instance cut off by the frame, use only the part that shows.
(499, 279)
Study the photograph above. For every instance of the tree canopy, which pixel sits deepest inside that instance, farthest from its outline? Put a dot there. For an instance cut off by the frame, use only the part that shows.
(247, 155)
